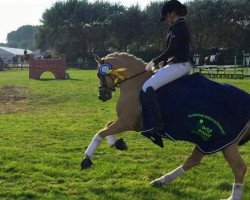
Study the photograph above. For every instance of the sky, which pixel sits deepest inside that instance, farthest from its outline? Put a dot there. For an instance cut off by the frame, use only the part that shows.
(17, 13)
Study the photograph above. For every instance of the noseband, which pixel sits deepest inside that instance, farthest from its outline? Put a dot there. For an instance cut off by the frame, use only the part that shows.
(105, 92)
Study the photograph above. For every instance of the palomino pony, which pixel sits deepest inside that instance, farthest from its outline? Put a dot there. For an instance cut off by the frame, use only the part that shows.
(128, 72)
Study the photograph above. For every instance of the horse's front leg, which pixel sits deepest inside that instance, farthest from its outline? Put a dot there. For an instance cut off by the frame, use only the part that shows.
(113, 142)
(191, 162)
(114, 128)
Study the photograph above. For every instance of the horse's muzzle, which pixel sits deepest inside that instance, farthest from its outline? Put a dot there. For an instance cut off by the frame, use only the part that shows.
(105, 94)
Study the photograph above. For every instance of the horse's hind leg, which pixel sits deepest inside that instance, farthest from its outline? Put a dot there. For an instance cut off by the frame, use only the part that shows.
(114, 128)
(191, 162)
(246, 136)
(239, 169)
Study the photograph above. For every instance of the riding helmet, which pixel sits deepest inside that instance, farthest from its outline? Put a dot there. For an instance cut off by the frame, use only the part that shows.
(173, 5)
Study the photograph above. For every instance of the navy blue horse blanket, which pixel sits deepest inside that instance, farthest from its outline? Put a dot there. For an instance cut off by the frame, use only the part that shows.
(206, 113)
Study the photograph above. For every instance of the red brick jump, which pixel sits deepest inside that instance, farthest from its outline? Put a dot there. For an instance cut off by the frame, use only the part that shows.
(55, 66)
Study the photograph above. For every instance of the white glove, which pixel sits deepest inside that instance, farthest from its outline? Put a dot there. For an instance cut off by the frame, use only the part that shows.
(150, 66)
(161, 64)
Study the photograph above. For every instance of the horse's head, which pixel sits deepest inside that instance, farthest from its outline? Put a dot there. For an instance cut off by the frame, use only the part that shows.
(115, 69)
(108, 76)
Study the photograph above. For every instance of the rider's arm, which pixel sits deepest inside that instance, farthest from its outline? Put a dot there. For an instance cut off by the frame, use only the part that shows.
(174, 41)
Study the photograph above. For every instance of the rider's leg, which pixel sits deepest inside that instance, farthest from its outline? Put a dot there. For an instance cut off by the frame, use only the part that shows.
(165, 75)
(149, 110)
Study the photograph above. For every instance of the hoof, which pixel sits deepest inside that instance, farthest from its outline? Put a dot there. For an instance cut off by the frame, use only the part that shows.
(86, 163)
(121, 145)
(156, 183)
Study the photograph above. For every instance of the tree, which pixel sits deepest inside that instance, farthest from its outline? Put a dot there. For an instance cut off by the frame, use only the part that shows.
(23, 37)
(76, 27)
(155, 30)
(220, 22)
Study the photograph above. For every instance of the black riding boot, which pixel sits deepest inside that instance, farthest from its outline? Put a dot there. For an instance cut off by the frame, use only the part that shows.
(155, 109)
(151, 117)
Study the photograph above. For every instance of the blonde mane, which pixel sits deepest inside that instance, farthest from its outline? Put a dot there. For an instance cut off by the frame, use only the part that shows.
(127, 58)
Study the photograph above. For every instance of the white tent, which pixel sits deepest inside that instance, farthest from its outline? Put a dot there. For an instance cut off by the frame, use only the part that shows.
(7, 52)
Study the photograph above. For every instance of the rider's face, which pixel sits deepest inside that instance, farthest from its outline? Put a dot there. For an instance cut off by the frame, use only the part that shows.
(170, 18)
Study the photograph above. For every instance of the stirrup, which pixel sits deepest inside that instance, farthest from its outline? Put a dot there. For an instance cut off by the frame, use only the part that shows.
(154, 137)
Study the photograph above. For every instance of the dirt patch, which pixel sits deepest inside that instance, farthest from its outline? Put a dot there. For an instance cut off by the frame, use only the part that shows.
(13, 98)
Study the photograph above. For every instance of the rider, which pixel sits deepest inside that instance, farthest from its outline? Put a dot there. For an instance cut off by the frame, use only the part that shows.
(214, 54)
(214, 50)
(25, 52)
(175, 60)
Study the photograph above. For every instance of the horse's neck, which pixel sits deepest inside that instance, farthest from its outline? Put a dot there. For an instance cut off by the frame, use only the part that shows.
(134, 84)
(129, 99)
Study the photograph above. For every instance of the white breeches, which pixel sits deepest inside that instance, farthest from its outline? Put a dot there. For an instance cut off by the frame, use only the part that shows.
(167, 74)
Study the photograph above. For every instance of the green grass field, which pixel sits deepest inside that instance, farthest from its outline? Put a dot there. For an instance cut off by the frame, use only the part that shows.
(46, 125)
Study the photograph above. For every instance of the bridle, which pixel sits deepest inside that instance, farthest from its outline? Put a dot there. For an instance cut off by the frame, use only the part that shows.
(106, 70)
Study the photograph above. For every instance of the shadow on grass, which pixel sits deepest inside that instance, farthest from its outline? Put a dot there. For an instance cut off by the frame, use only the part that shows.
(104, 193)
(225, 186)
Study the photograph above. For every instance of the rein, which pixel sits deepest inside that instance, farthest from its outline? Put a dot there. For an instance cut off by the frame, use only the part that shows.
(131, 77)
(117, 84)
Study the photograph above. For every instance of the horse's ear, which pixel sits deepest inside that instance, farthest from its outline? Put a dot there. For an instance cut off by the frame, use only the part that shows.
(97, 59)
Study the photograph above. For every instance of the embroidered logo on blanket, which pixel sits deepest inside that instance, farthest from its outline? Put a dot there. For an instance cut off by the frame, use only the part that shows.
(205, 126)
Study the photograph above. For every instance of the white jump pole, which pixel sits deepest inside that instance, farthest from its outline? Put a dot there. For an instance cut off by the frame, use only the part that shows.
(247, 60)
(235, 63)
